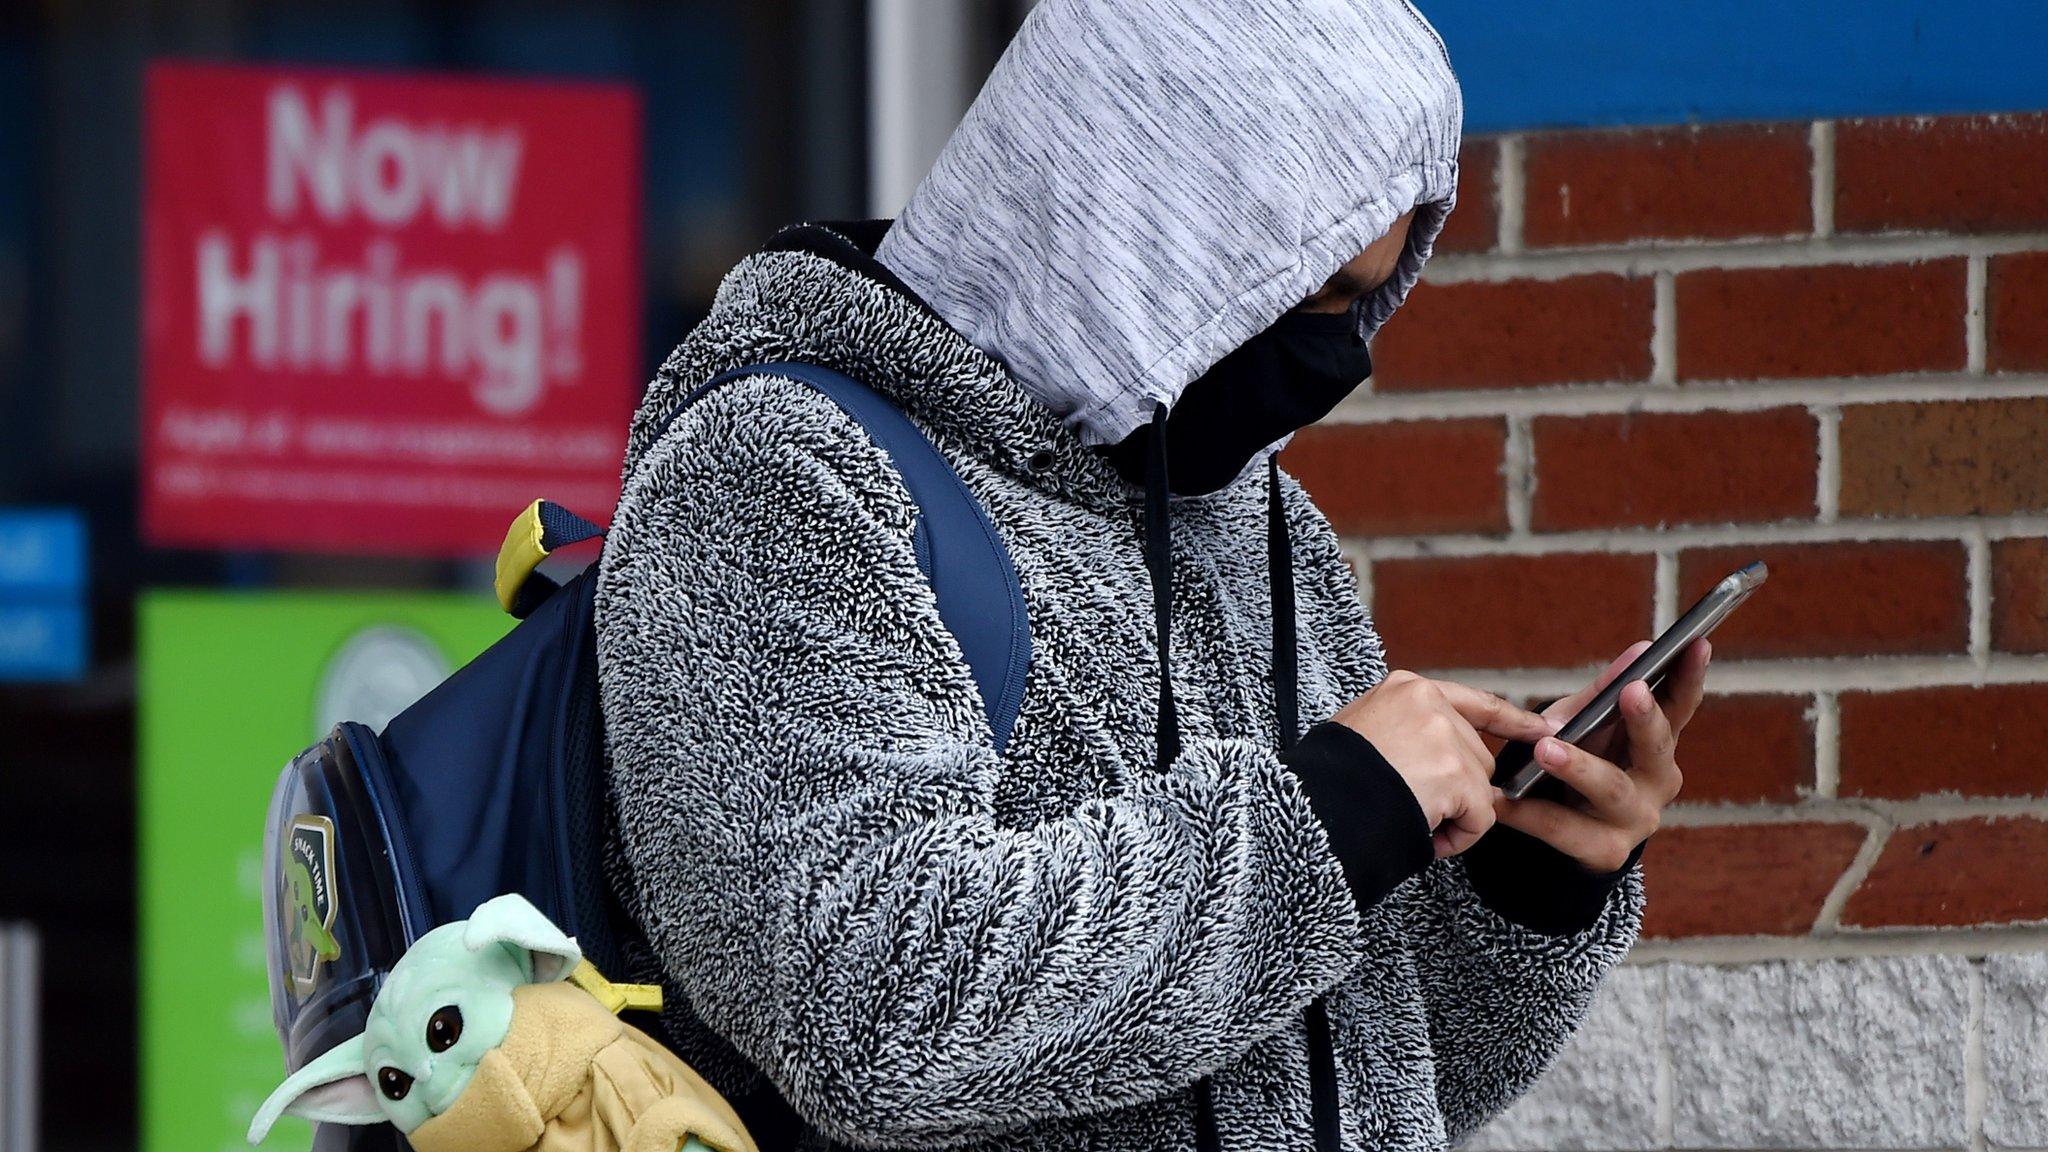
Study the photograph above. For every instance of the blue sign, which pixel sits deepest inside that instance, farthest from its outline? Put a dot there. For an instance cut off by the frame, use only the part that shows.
(42, 641)
(1607, 62)
(43, 633)
(41, 551)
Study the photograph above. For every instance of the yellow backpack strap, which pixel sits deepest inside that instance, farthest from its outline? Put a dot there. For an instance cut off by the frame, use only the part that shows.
(543, 528)
(616, 998)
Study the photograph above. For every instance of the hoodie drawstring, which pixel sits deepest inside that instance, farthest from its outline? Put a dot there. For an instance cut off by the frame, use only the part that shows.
(1280, 569)
(1159, 558)
(1322, 1053)
(1323, 1116)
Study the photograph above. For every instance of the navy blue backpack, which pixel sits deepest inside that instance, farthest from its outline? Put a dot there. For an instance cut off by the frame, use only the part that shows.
(494, 782)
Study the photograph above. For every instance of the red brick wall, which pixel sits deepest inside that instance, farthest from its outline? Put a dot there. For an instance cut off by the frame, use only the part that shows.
(1644, 357)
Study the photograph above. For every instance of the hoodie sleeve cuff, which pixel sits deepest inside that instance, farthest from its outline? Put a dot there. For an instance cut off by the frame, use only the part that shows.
(1529, 882)
(1377, 830)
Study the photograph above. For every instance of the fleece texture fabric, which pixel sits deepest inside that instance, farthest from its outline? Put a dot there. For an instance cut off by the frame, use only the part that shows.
(922, 943)
(1141, 185)
(571, 1077)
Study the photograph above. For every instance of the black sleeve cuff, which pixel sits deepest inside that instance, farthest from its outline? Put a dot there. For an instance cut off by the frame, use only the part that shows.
(1529, 882)
(1376, 827)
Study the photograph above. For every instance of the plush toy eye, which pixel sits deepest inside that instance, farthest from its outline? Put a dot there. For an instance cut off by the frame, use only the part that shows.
(393, 1083)
(444, 1028)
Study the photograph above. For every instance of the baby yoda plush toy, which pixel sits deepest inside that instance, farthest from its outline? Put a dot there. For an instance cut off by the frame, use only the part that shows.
(478, 1043)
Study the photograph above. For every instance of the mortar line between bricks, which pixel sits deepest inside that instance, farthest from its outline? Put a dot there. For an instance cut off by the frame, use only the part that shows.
(1688, 815)
(1870, 812)
(1613, 398)
(1665, 598)
(1974, 1086)
(1362, 564)
(1827, 482)
(1820, 138)
(1641, 258)
(1977, 577)
(1510, 185)
(1664, 332)
(1785, 677)
(1635, 541)
(1518, 467)
(1827, 744)
(1973, 315)
(1829, 920)
(1732, 950)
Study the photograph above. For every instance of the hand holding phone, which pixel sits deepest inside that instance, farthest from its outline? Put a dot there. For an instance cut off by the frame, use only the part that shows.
(1516, 771)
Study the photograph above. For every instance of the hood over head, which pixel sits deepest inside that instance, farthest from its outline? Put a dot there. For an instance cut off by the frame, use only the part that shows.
(1142, 185)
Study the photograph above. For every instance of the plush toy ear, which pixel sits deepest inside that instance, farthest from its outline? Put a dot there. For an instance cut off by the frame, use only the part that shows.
(332, 1089)
(510, 919)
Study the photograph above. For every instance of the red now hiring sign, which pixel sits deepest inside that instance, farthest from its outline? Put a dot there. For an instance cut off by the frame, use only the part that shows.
(382, 313)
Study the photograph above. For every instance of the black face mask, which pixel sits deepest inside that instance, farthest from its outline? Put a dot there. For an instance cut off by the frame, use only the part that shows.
(1285, 378)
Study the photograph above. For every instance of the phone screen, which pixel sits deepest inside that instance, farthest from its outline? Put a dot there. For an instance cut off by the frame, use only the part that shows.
(1515, 770)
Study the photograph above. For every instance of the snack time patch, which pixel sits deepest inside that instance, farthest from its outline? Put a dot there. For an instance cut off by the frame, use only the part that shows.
(309, 888)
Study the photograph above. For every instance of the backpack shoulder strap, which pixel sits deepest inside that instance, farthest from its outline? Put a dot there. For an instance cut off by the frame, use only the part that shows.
(962, 555)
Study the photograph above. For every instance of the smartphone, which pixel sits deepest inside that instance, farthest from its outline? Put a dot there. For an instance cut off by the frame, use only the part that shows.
(1515, 770)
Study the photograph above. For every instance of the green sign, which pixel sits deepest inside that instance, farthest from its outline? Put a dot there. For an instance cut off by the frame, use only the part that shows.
(232, 686)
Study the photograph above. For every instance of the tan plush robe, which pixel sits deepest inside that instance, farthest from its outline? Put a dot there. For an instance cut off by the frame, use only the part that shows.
(571, 1077)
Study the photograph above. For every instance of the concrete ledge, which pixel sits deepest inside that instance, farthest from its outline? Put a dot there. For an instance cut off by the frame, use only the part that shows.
(2016, 1051)
(1874, 1052)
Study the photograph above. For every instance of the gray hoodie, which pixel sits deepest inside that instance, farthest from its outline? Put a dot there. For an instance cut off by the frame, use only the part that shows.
(1136, 927)
(1143, 184)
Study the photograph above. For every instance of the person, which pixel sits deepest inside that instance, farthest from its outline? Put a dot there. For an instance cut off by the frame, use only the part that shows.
(1165, 916)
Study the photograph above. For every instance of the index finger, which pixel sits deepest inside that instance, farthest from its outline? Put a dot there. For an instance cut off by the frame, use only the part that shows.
(1687, 683)
(1492, 714)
